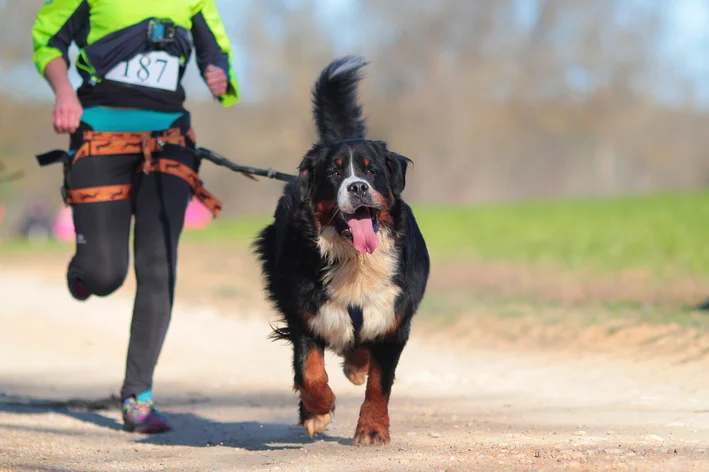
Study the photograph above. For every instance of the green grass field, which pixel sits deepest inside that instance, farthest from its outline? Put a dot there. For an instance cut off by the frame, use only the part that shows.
(663, 234)
(657, 233)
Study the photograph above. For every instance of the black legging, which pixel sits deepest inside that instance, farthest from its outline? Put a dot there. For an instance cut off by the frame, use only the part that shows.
(158, 202)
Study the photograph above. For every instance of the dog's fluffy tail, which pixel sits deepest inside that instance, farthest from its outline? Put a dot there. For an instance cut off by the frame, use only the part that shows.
(337, 112)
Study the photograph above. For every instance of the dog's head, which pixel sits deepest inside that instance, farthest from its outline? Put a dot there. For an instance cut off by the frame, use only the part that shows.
(352, 187)
(350, 182)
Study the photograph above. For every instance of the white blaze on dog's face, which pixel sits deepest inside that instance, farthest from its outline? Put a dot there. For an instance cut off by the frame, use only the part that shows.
(353, 189)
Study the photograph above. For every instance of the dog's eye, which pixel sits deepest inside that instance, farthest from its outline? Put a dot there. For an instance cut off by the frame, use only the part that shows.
(370, 172)
(335, 173)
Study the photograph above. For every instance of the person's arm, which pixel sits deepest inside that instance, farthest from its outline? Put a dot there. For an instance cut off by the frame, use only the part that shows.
(214, 55)
(66, 115)
(56, 26)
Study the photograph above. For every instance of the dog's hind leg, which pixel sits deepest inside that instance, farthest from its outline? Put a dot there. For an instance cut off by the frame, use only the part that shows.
(373, 424)
(356, 365)
(317, 400)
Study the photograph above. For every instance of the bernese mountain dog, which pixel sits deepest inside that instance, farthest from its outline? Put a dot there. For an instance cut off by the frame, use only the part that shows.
(344, 261)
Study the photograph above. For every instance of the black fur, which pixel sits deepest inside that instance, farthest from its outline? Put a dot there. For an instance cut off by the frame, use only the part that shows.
(287, 249)
(338, 115)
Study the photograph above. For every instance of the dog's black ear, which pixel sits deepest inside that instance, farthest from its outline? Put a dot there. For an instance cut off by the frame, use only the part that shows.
(397, 165)
(305, 173)
(305, 179)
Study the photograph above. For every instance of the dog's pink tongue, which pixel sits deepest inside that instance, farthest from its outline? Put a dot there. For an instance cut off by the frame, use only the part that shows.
(363, 236)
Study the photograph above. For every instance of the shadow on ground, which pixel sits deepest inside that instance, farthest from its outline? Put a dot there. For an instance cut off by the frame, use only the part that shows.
(195, 431)
(190, 429)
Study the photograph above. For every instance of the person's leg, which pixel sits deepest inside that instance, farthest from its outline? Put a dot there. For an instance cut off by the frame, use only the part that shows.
(102, 229)
(160, 204)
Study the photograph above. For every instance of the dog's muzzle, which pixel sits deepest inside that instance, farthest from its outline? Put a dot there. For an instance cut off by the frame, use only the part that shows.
(359, 218)
(354, 195)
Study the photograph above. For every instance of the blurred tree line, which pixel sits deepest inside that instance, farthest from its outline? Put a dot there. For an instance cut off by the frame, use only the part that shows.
(493, 100)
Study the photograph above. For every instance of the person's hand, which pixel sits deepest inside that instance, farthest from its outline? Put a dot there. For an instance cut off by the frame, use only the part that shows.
(67, 112)
(216, 80)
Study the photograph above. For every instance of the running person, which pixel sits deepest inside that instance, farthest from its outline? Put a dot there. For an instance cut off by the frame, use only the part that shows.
(132, 57)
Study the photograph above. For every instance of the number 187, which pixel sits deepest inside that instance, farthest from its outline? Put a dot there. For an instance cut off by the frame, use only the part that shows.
(143, 73)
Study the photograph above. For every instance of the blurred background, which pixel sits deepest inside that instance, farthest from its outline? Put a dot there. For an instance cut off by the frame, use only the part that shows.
(560, 146)
(493, 100)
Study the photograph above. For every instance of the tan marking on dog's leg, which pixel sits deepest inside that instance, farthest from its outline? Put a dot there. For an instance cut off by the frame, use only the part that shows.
(373, 425)
(316, 396)
(356, 366)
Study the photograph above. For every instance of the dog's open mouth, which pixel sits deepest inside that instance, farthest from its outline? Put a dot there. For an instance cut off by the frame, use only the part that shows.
(361, 228)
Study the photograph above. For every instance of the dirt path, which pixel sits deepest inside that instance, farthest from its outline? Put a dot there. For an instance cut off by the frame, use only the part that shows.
(227, 390)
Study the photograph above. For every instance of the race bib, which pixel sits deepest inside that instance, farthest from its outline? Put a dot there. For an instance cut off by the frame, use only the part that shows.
(155, 69)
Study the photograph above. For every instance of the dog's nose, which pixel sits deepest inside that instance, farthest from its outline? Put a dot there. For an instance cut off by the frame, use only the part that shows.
(358, 188)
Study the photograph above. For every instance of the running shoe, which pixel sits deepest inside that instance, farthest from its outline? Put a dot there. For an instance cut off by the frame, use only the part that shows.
(142, 417)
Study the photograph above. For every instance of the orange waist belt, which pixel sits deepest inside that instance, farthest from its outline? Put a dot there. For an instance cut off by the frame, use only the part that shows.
(146, 143)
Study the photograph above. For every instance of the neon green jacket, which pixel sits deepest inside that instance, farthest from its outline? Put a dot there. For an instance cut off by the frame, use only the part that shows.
(118, 64)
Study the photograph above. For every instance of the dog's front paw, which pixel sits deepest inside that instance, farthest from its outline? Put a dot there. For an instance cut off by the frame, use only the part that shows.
(371, 435)
(316, 424)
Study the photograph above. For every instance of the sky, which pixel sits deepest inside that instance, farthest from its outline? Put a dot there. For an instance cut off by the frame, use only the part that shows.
(687, 43)
(690, 38)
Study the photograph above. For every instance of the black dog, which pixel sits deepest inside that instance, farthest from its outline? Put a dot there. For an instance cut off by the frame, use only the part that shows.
(344, 261)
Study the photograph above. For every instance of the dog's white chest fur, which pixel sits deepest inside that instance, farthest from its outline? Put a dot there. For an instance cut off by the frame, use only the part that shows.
(354, 279)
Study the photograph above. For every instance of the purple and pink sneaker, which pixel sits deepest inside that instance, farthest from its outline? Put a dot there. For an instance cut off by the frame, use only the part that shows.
(142, 417)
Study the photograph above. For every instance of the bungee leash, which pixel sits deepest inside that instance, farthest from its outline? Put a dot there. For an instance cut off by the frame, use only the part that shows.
(247, 171)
